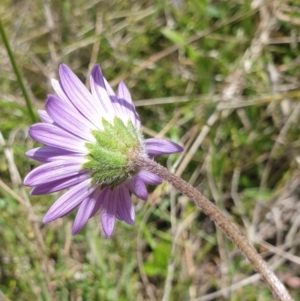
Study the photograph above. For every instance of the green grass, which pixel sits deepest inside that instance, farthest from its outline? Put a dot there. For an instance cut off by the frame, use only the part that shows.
(223, 68)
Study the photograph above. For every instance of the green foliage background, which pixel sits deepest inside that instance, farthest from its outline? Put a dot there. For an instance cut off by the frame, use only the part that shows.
(219, 77)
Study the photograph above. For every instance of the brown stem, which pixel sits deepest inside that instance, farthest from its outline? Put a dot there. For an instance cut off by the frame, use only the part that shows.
(230, 230)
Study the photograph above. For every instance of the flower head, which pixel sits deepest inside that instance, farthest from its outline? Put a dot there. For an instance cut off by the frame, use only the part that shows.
(91, 142)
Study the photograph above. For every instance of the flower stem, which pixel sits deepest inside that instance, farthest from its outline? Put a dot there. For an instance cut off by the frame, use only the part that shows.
(17, 72)
(277, 288)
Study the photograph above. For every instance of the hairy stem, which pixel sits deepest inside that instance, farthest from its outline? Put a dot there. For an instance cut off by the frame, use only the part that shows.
(221, 221)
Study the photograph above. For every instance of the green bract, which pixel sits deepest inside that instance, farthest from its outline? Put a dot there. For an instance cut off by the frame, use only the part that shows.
(111, 158)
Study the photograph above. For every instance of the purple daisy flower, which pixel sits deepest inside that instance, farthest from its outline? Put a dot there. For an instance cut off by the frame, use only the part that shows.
(91, 140)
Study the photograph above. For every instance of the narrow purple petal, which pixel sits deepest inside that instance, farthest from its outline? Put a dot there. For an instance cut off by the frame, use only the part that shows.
(118, 104)
(137, 187)
(99, 92)
(100, 201)
(54, 136)
(125, 209)
(69, 201)
(109, 209)
(53, 171)
(59, 91)
(122, 105)
(69, 118)
(48, 154)
(128, 106)
(84, 211)
(149, 178)
(60, 184)
(156, 147)
(44, 116)
(79, 95)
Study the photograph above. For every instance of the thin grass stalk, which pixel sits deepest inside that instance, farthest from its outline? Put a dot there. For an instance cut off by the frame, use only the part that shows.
(17, 73)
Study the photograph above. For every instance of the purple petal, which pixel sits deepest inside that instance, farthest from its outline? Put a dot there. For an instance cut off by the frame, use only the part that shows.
(44, 116)
(69, 118)
(128, 106)
(60, 93)
(109, 209)
(79, 95)
(125, 209)
(69, 201)
(118, 104)
(99, 92)
(149, 178)
(84, 211)
(156, 147)
(60, 184)
(137, 187)
(54, 136)
(53, 171)
(48, 154)
(100, 201)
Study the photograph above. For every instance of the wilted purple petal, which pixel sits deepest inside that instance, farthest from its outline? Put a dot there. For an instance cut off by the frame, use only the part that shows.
(109, 209)
(54, 136)
(53, 171)
(149, 178)
(125, 209)
(84, 211)
(69, 119)
(79, 95)
(69, 201)
(60, 184)
(137, 187)
(156, 147)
